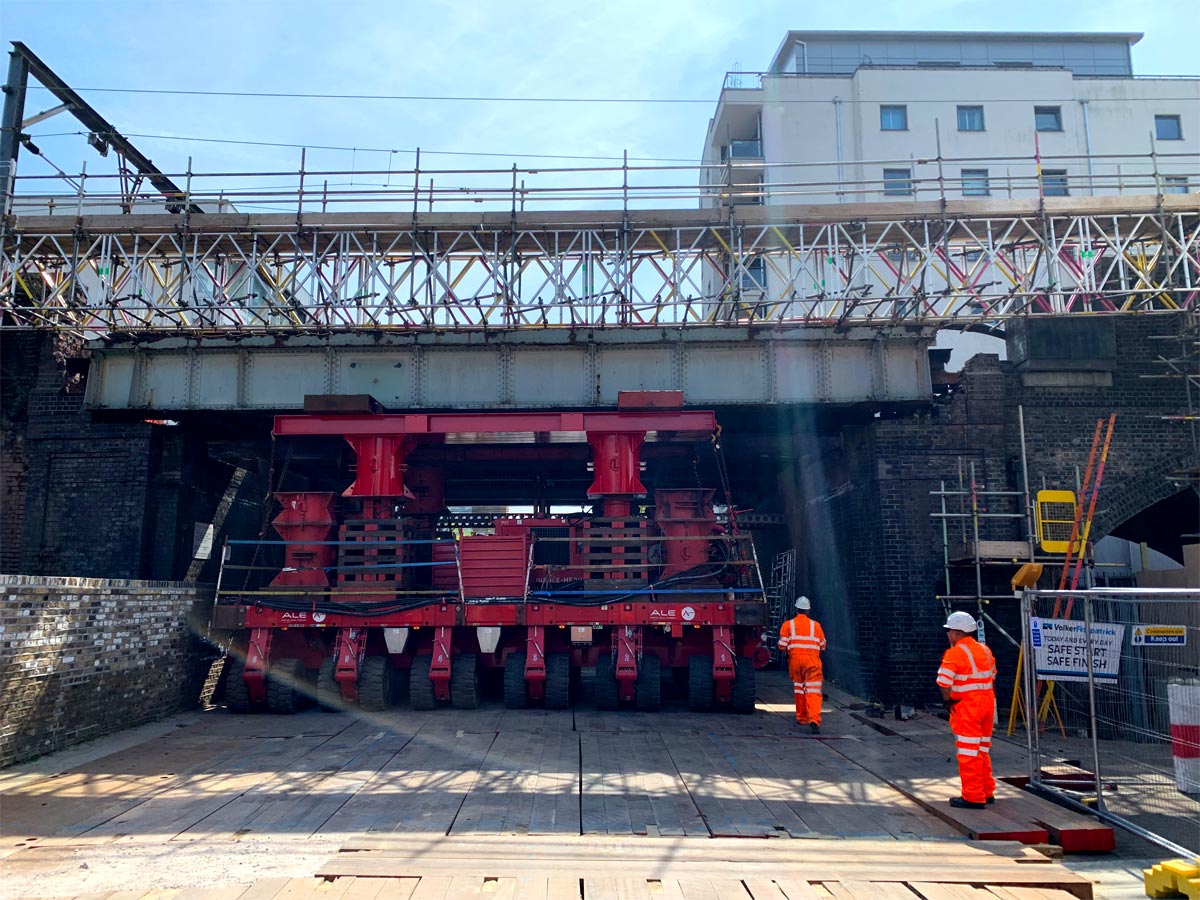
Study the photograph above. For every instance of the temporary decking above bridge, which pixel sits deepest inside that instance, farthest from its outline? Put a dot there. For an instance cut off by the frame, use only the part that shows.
(957, 263)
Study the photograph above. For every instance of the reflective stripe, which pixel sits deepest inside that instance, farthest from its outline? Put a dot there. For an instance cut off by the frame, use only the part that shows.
(968, 740)
(978, 679)
(986, 748)
(793, 641)
(966, 688)
(949, 673)
(962, 752)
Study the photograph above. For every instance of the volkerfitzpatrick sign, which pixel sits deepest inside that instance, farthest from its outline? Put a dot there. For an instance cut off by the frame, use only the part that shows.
(1060, 650)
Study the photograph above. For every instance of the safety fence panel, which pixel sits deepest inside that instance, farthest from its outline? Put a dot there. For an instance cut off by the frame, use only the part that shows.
(1115, 687)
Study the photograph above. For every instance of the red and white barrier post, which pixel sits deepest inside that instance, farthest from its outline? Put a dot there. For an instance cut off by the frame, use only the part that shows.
(1183, 699)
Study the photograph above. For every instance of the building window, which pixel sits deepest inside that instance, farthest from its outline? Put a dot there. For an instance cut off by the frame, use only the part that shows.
(1175, 184)
(1054, 183)
(1166, 128)
(897, 182)
(893, 118)
(970, 118)
(754, 274)
(1047, 118)
(975, 183)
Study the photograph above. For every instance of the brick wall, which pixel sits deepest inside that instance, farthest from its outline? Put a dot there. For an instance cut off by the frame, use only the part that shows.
(108, 499)
(82, 657)
(17, 377)
(863, 515)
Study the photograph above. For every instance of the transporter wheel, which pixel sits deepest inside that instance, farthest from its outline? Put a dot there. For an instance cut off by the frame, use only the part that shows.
(285, 680)
(648, 689)
(744, 686)
(375, 684)
(420, 688)
(329, 692)
(700, 683)
(464, 681)
(558, 681)
(516, 692)
(237, 692)
(607, 690)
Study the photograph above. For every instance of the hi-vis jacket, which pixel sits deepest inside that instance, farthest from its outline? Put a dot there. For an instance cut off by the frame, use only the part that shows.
(801, 635)
(967, 668)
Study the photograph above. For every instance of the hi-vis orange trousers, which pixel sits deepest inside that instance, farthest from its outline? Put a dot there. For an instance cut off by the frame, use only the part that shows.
(804, 668)
(971, 720)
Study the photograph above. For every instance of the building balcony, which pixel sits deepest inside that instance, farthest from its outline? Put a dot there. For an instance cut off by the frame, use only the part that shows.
(742, 149)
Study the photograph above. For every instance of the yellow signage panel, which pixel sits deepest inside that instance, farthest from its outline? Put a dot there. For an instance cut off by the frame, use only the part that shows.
(1144, 635)
(1054, 517)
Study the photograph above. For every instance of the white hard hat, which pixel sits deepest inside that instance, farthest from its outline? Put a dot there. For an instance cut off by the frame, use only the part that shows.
(803, 602)
(961, 621)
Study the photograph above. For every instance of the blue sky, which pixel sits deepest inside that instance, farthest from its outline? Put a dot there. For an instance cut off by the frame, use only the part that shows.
(619, 49)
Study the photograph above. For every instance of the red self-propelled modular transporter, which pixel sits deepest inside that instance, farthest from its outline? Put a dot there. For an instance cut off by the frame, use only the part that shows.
(367, 599)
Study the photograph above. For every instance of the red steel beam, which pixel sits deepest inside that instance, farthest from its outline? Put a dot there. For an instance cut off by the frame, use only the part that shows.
(702, 422)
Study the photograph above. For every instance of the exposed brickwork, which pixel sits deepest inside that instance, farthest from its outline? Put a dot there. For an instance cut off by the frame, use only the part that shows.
(101, 499)
(879, 547)
(82, 657)
(16, 381)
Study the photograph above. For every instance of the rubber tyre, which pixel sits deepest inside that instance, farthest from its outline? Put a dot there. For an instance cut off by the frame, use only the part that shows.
(648, 687)
(284, 679)
(464, 681)
(744, 687)
(558, 681)
(237, 692)
(516, 691)
(374, 684)
(606, 688)
(420, 688)
(700, 683)
(329, 692)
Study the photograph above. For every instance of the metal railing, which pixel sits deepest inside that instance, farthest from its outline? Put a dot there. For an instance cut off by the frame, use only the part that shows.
(627, 187)
(306, 251)
(1112, 706)
(743, 149)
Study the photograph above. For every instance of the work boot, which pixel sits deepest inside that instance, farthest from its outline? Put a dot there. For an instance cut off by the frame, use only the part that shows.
(814, 728)
(963, 803)
(990, 800)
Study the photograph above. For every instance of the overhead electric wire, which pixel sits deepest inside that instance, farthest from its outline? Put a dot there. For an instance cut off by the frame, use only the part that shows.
(409, 151)
(449, 98)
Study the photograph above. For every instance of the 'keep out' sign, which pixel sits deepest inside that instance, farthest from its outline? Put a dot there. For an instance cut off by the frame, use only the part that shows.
(1060, 649)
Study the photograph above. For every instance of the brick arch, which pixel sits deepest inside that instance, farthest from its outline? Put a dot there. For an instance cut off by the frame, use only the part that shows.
(1133, 494)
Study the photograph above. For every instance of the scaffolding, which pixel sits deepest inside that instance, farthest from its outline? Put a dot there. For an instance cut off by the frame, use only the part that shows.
(780, 593)
(1180, 362)
(328, 259)
(973, 511)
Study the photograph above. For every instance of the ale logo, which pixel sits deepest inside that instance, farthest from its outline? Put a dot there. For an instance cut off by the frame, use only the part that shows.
(688, 614)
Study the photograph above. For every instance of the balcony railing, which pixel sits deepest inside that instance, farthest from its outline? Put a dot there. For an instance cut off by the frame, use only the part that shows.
(742, 150)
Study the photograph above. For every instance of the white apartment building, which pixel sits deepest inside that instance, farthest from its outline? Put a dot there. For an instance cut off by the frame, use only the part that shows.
(861, 116)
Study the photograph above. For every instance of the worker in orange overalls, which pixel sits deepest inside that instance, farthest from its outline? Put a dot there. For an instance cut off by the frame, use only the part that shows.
(967, 678)
(803, 640)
